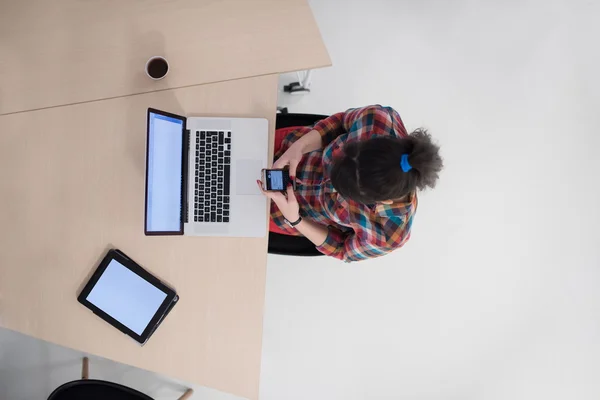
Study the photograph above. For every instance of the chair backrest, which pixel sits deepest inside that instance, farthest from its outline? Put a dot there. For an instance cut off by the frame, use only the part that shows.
(284, 244)
(92, 389)
(291, 119)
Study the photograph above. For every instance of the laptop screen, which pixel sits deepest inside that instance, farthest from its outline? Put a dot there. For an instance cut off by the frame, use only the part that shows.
(164, 174)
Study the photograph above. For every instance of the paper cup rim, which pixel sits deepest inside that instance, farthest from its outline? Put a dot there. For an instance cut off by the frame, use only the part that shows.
(155, 58)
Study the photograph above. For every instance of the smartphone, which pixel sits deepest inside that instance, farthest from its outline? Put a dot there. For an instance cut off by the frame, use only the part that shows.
(276, 180)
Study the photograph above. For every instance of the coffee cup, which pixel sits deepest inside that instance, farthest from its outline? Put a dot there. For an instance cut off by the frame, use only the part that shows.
(157, 67)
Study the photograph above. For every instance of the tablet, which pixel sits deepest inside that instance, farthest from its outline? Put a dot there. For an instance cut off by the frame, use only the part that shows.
(127, 296)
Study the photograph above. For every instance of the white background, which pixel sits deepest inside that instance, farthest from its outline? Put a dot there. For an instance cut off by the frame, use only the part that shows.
(497, 294)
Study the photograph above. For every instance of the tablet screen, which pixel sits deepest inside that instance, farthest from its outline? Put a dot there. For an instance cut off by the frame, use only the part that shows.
(126, 297)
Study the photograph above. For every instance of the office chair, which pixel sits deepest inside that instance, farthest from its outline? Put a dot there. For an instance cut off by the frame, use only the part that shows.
(92, 389)
(285, 244)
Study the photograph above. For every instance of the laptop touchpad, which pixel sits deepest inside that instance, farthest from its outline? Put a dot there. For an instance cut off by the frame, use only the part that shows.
(246, 174)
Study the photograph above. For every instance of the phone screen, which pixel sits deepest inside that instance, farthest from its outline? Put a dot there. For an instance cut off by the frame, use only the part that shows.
(276, 179)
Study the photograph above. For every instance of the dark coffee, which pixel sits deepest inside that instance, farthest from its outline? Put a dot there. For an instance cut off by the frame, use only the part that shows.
(157, 68)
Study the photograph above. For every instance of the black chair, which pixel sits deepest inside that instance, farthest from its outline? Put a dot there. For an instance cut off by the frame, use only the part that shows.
(284, 244)
(92, 389)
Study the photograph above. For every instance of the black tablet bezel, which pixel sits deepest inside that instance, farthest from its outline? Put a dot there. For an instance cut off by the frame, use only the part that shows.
(184, 173)
(136, 269)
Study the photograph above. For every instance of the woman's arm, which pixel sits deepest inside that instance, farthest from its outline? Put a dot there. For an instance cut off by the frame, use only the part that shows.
(356, 246)
(288, 205)
(361, 123)
(309, 142)
(292, 156)
(369, 120)
(383, 236)
(314, 232)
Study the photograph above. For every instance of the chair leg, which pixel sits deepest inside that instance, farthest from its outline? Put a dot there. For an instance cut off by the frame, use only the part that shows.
(85, 368)
(188, 393)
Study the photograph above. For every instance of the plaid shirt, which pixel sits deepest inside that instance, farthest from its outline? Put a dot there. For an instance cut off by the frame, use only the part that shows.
(356, 231)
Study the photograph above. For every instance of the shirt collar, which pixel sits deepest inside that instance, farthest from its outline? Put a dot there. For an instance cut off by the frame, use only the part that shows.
(397, 209)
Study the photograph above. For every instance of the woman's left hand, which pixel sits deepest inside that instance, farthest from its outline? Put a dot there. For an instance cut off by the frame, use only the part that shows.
(287, 203)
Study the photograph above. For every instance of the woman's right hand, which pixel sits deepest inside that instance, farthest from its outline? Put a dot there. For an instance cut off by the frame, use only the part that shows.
(291, 158)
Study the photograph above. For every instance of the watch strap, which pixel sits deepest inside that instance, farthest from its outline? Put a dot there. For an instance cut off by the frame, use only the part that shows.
(293, 224)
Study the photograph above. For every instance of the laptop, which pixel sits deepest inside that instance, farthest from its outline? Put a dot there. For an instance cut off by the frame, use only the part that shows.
(201, 175)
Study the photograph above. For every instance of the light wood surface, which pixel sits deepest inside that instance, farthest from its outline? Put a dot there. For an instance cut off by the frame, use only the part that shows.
(68, 51)
(72, 186)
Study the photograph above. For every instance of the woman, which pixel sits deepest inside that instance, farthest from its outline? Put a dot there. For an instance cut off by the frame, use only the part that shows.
(357, 174)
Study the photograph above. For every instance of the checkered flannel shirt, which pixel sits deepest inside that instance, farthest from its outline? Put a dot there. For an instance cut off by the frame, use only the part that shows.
(356, 231)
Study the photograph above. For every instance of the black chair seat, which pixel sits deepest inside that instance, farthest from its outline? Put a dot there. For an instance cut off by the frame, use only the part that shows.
(284, 244)
(92, 389)
(287, 245)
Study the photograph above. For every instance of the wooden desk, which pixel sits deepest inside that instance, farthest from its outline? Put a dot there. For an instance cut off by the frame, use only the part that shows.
(68, 51)
(72, 185)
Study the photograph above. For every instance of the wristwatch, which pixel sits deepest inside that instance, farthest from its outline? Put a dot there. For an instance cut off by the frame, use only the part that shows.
(293, 224)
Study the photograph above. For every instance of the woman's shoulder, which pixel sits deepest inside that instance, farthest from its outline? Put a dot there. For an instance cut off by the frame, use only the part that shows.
(398, 210)
(389, 225)
(378, 119)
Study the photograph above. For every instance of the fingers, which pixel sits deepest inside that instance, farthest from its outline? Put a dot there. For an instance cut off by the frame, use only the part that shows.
(293, 168)
(280, 163)
(290, 192)
(260, 187)
(277, 197)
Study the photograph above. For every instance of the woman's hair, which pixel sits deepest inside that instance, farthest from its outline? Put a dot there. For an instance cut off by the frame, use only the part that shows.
(371, 171)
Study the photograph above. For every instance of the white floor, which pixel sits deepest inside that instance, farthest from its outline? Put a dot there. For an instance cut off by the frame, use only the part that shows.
(31, 369)
(496, 294)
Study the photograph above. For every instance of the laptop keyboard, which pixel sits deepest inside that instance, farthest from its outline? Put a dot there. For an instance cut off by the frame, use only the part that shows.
(213, 167)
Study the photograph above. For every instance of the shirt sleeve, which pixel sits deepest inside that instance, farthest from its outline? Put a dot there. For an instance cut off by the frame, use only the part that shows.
(361, 123)
(373, 240)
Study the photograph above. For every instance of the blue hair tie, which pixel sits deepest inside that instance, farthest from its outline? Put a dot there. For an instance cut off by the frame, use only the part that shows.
(404, 163)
